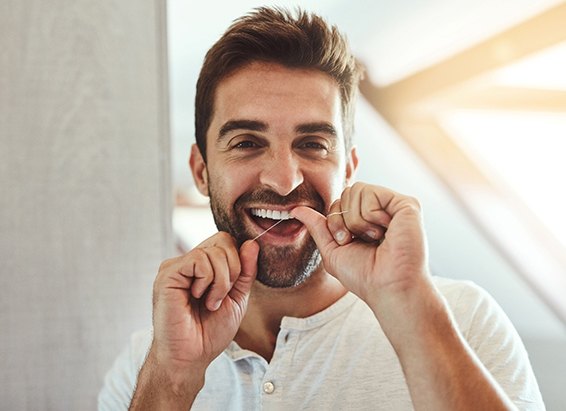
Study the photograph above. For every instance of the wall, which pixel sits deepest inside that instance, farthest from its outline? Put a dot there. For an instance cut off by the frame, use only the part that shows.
(85, 191)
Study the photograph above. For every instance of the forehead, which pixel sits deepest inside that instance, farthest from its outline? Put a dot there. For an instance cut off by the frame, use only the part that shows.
(273, 93)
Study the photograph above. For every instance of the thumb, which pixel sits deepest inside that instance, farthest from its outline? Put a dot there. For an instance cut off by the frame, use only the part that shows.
(249, 252)
(317, 226)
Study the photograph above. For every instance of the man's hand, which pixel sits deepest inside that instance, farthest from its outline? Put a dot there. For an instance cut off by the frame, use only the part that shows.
(372, 241)
(199, 301)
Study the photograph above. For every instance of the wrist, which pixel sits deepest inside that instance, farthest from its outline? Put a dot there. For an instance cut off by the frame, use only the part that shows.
(411, 314)
(178, 374)
(162, 387)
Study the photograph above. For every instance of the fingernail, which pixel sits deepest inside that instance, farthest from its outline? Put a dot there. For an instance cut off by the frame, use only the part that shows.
(371, 234)
(340, 236)
(216, 305)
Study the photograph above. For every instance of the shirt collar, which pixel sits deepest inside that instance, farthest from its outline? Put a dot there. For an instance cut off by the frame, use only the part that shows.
(319, 319)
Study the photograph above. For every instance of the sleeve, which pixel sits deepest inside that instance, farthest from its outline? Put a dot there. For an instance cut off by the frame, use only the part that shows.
(497, 344)
(120, 381)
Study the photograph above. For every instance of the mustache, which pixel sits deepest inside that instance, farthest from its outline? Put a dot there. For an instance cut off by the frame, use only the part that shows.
(301, 194)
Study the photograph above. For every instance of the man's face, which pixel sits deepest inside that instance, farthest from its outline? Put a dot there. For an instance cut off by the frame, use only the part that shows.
(275, 142)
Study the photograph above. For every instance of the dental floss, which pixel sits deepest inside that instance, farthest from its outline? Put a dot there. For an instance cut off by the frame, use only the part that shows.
(260, 234)
(337, 213)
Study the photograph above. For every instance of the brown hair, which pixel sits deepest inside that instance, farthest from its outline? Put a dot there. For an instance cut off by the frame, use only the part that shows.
(299, 40)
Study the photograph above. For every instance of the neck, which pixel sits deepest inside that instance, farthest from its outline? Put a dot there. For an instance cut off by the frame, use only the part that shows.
(267, 307)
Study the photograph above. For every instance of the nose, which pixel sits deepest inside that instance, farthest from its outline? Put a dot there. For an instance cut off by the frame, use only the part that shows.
(281, 172)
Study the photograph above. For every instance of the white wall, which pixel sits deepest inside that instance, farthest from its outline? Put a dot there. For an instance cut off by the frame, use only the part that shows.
(85, 191)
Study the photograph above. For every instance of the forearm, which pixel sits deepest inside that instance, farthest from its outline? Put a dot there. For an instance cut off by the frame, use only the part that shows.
(441, 371)
(161, 388)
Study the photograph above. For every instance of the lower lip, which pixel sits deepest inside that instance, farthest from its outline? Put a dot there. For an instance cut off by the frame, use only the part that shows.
(271, 236)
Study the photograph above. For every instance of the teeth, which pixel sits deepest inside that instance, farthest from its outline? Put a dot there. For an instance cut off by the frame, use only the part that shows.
(272, 214)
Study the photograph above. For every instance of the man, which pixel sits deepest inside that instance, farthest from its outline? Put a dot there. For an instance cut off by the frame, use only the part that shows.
(315, 293)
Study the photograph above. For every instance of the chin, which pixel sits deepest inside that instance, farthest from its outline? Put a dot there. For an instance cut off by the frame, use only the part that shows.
(281, 273)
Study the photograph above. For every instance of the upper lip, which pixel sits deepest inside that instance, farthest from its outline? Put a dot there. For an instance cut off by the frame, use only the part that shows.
(276, 207)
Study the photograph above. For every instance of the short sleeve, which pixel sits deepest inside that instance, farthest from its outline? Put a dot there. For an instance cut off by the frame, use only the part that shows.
(495, 341)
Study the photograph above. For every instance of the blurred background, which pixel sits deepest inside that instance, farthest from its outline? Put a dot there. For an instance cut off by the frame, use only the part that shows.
(463, 106)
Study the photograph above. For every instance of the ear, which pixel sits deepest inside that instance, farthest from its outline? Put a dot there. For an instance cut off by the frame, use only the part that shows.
(351, 165)
(198, 168)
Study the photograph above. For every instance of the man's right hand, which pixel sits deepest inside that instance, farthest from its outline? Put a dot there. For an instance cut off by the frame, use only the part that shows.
(199, 301)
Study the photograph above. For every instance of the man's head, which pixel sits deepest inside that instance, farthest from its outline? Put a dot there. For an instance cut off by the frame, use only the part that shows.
(275, 139)
(299, 40)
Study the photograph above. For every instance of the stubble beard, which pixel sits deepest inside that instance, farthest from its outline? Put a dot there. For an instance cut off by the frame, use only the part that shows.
(278, 266)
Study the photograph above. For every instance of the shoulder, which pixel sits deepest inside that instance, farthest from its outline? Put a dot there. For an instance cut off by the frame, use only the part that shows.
(454, 289)
(492, 336)
(467, 300)
(477, 313)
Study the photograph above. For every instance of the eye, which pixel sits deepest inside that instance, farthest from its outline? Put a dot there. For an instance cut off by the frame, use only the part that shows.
(314, 145)
(245, 144)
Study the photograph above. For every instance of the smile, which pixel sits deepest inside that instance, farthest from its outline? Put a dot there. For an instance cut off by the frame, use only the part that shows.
(286, 229)
(272, 214)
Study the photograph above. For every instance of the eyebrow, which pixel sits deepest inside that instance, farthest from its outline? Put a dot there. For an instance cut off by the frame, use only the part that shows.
(310, 128)
(232, 125)
(254, 125)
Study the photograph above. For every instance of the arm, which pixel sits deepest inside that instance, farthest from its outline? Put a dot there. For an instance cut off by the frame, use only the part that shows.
(386, 265)
(199, 301)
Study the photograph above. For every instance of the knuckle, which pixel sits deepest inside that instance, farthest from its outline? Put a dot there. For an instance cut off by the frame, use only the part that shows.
(215, 253)
(358, 186)
(414, 203)
(224, 237)
(198, 254)
(165, 264)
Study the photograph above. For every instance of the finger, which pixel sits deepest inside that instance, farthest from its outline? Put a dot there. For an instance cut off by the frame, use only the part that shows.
(373, 205)
(248, 254)
(170, 275)
(228, 244)
(220, 284)
(200, 268)
(336, 224)
(317, 227)
(360, 220)
(353, 219)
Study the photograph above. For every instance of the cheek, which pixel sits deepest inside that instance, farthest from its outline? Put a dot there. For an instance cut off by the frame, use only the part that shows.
(328, 184)
(230, 182)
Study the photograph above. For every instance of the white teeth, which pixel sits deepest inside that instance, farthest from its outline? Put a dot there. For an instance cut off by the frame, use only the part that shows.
(273, 214)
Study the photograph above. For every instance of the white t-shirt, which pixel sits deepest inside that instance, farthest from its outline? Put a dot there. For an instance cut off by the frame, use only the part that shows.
(339, 359)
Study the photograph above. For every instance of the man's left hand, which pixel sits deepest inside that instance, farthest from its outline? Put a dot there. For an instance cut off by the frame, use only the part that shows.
(373, 241)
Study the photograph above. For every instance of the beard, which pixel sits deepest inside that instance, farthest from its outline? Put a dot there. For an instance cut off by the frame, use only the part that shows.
(278, 266)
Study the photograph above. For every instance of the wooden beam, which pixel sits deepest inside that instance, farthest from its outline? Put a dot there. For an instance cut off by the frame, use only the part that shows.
(538, 33)
(499, 98)
(412, 106)
(479, 195)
